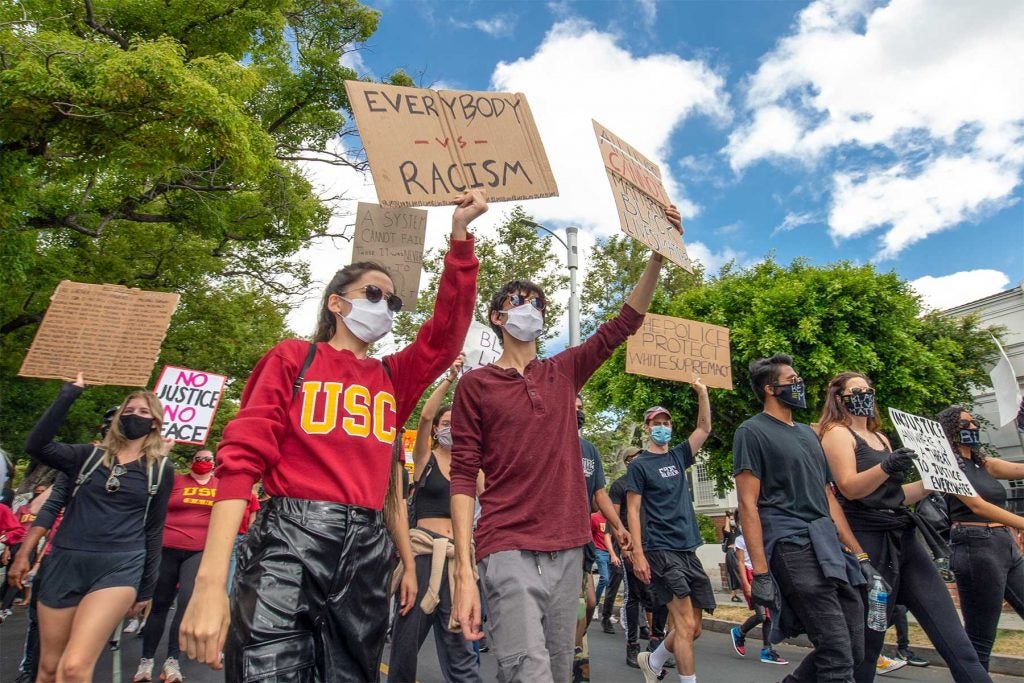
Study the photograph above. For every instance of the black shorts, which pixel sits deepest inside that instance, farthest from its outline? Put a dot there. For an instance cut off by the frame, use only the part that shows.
(68, 576)
(679, 574)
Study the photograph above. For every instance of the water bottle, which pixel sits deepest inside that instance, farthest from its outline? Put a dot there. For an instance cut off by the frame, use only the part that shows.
(878, 600)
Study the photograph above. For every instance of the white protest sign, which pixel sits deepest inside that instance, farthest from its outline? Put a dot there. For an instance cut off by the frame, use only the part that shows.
(935, 458)
(481, 347)
(190, 399)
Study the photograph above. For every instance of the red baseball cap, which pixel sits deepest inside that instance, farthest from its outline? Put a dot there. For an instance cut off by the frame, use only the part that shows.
(656, 410)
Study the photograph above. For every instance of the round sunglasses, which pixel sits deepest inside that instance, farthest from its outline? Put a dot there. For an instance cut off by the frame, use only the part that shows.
(375, 294)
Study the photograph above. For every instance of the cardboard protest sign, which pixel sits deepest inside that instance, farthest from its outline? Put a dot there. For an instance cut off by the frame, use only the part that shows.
(109, 332)
(935, 458)
(393, 238)
(640, 197)
(190, 399)
(427, 146)
(481, 347)
(679, 350)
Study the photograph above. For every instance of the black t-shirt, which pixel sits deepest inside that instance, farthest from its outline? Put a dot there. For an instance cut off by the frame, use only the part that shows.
(660, 478)
(593, 470)
(789, 462)
(617, 494)
(987, 486)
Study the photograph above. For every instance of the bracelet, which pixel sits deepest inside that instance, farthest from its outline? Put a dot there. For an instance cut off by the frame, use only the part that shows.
(862, 557)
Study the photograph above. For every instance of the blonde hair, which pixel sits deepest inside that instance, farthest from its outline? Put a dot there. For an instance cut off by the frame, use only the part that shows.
(115, 440)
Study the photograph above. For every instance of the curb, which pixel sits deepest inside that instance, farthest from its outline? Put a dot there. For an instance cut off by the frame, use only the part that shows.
(998, 664)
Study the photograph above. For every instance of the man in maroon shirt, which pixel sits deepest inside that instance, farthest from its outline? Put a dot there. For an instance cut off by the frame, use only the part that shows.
(514, 420)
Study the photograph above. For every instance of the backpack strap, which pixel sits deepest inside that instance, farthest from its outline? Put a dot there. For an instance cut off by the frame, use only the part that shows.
(88, 467)
(153, 481)
(305, 366)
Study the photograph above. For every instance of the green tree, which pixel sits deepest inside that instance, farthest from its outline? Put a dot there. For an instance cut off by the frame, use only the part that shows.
(159, 145)
(829, 318)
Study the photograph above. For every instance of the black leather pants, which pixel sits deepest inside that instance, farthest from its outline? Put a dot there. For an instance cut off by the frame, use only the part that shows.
(310, 600)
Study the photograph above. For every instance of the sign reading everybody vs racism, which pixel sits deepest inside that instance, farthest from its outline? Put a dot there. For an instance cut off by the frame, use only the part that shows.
(427, 146)
(190, 399)
(640, 197)
(675, 349)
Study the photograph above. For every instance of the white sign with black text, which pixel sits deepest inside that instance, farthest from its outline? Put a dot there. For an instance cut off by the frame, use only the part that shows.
(935, 458)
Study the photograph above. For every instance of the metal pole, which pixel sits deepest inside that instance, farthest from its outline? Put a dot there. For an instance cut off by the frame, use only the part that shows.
(572, 247)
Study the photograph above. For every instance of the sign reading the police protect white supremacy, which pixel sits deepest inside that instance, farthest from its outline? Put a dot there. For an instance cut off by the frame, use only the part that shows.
(190, 399)
(640, 197)
(935, 458)
(427, 146)
(680, 350)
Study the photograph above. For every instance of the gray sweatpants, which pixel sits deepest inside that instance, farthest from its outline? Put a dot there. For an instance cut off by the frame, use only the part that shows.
(532, 603)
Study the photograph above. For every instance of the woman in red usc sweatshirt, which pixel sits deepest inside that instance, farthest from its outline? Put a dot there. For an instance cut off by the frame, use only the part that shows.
(309, 600)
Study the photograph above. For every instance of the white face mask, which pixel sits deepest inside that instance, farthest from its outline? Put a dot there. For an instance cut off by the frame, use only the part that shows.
(525, 322)
(444, 437)
(368, 321)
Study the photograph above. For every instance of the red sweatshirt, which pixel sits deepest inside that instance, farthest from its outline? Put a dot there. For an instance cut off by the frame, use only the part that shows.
(10, 527)
(332, 441)
(521, 431)
(188, 512)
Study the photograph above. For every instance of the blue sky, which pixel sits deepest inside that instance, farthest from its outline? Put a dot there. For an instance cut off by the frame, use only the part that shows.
(876, 132)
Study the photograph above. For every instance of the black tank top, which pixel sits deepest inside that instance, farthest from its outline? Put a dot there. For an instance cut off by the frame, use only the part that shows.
(433, 493)
(987, 486)
(888, 496)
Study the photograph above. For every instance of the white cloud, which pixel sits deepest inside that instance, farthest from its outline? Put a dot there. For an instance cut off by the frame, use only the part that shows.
(932, 87)
(567, 80)
(499, 26)
(947, 291)
(712, 261)
(648, 12)
(792, 221)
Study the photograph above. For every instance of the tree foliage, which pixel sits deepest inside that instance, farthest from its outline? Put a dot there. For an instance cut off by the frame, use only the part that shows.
(160, 145)
(830, 319)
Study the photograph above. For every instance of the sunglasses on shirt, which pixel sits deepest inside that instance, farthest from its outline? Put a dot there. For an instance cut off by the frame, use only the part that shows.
(374, 294)
(114, 481)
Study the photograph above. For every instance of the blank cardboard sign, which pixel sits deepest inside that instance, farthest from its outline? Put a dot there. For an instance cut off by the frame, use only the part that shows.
(111, 333)
(394, 239)
(640, 197)
(427, 146)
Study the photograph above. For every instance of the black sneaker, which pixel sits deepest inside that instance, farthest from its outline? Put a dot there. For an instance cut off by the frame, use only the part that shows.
(908, 656)
(606, 625)
(645, 633)
(632, 650)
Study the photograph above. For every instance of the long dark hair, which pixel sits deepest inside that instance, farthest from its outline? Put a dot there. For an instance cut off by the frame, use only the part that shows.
(833, 413)
(950, 421)
(327, 322)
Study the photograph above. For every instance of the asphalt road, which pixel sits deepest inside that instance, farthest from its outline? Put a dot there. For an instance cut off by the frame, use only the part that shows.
(716, 661)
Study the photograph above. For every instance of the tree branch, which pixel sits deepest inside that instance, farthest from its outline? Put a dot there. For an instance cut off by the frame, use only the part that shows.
(283, 118)
(90, 21)
(20, 321)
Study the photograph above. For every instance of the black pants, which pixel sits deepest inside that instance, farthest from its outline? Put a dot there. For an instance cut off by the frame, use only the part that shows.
(989, 569)
(29, 667)
(455, 654)
(899, 621)
(10, 593)
(612, 590)
(760, 616)
(832, 613)
(177, 579)
(732, 569)
(310, 598)
(908, 568)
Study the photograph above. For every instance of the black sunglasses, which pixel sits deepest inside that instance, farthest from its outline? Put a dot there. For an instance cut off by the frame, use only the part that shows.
(375, 294)
(519, 300)
(113, 482)
(965, 424)
(857, 391)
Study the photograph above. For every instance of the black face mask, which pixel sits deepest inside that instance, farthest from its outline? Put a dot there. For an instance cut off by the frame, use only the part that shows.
(135, 426)
(580, 419)
(970, 437)
(792, 395)
(860, 405)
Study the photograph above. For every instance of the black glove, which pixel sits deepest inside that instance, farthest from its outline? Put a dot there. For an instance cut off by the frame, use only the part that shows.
(899, 461)
(870, 573)
(762, 590)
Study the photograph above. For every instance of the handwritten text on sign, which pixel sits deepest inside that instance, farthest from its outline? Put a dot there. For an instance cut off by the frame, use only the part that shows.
(427, 146)
(393, 238)
(481, 347)
(190, 399)
(679, 350)
(640, 197)
(935, 458)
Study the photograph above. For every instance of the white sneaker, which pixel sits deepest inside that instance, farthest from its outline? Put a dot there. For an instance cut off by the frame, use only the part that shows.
(884, 665)
(145, 672)
(650, 675)
(132, 626)
(171, 672)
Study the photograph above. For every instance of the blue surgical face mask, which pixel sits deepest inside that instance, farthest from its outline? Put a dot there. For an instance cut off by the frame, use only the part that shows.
(661, 434)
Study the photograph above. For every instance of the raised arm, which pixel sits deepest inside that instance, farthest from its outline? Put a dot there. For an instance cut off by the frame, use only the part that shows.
(640, 298)
(67, 458)
(421, 448)
(703, 430)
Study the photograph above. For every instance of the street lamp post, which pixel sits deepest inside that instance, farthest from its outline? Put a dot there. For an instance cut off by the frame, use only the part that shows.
(571, 244)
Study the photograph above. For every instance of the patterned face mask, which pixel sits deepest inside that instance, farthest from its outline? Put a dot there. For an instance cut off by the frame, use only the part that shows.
(861, 404)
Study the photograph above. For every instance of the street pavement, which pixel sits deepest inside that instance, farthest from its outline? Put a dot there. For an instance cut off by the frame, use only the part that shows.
(716, 661)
